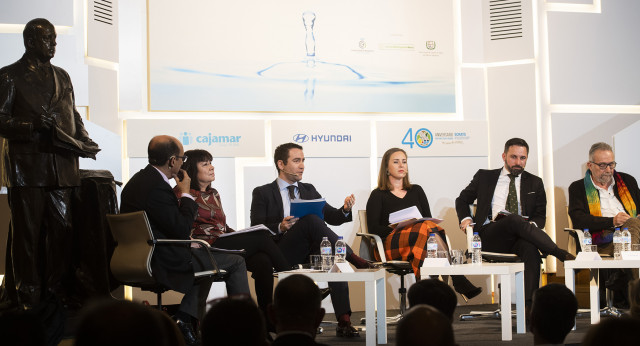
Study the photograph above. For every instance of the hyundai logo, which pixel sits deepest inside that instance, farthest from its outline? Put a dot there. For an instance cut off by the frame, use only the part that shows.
(300, 138)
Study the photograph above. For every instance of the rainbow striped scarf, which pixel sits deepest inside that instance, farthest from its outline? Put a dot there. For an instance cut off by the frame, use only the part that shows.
(593, 198)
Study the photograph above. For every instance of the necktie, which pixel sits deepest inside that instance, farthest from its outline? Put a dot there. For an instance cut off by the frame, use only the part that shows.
(512, 197)
(292, 192)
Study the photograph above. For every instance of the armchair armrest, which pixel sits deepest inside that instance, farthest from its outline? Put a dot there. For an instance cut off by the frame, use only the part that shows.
(201, 242)
(379, 244)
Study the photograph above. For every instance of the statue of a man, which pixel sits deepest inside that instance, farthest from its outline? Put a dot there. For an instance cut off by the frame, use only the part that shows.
(44, 136)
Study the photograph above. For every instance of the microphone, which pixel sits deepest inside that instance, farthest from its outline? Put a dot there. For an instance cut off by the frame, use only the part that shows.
(291, 174)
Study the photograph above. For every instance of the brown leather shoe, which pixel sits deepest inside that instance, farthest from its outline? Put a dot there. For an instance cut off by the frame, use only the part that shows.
(347, 331)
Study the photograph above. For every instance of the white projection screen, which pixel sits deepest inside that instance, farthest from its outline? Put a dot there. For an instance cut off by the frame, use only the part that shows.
(361, 56)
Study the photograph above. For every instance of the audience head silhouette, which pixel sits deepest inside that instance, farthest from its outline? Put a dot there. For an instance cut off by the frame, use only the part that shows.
(424, 325)
(613, 331)
(296, 305)
(553, 313)
(23, 328)
(107, 323)
(435, 293)
(234, 321)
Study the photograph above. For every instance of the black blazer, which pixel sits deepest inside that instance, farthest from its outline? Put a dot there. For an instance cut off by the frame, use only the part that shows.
(533, 199)
(266, 206)
(147, 190)
(579, 208)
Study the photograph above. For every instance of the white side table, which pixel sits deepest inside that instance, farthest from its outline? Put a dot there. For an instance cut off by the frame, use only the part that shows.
(375, 293)
(594, 267)
(506, 272)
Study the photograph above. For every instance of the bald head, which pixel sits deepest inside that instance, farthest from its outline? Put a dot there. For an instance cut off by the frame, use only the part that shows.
(162, 148)
(39, 37)
(424, 325)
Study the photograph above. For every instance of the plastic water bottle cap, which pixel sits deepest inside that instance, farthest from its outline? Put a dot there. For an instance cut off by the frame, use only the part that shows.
(475, 233)
(340, 237)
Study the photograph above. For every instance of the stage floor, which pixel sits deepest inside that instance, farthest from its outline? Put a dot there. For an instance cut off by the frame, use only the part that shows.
(476, 332)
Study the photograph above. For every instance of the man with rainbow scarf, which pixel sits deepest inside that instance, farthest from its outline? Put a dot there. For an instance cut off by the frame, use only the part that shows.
(604, 199)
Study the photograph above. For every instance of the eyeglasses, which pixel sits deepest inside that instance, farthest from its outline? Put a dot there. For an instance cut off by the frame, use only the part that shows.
(604, 166)
(183, 158)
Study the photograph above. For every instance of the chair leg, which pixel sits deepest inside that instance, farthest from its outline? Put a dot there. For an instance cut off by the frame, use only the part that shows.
(402, 291)
(159, 301)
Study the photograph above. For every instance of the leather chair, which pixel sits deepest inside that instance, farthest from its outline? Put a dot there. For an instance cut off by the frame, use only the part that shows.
(370, 245)
(135, 244)
(576, 239)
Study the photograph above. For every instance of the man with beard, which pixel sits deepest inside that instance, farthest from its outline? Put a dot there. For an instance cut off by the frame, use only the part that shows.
(604, 199)
(520, 195)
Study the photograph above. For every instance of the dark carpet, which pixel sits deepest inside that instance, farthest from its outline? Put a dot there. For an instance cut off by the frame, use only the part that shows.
(476, 332)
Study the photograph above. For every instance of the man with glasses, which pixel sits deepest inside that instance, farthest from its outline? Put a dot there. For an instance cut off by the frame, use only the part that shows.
(604, 199)
(170, 218)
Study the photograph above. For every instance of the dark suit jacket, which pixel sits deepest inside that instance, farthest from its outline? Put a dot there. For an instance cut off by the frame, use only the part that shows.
(533, 199)
(147, 190)
(32, 159)
(579, 208)
(295, 340)
(266, 206)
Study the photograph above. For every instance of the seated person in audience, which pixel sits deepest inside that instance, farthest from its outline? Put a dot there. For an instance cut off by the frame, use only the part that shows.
(424, 325)
(296, 311)
(435, 293)
(553, 314)
(271, 206)
(234, 321)
(262, 253)
(121, 322)
(613, 331)
(521, 194)
(409, 243)
(605, 199)
(22, 327)
(174, 265)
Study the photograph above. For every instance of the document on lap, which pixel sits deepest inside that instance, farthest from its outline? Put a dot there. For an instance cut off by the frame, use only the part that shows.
(304, 207)
(250, 229)
(408, 216)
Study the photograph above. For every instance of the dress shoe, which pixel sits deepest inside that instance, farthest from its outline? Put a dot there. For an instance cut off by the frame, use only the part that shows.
(346, 331)
(324, 292)
(190, 337)
(464, 287)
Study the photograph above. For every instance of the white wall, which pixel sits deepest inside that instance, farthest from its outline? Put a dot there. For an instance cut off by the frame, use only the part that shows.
(570, 81)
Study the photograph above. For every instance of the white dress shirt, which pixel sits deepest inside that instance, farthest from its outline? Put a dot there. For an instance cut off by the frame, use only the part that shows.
(501, 192)
(284, 192)
(610, 206)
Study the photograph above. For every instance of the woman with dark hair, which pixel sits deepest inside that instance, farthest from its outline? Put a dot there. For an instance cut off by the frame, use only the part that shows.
(262, 253)
(395, 192)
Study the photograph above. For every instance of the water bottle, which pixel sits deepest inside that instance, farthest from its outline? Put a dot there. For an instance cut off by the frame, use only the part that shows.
(476, 244)
(626, 239)
(326, 252)
(432, 246)
(341, 251)
(587, 238)
(617, 243)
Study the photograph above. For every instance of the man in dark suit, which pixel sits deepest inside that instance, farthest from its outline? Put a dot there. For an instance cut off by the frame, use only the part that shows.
(270, 206)
(296, 311)
(615, 200)
(522, 195)
(174, 265)
(36, 102)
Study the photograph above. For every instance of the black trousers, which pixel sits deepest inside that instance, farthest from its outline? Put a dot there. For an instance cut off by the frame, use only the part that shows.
(302, 240)
(512, 234)
(41, 233)
(263, 256)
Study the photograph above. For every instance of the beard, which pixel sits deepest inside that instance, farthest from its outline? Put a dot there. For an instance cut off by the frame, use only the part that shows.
(515, 170)
(605, 178)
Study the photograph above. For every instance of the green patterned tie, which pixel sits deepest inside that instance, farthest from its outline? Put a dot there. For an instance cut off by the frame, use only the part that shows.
(512, 197)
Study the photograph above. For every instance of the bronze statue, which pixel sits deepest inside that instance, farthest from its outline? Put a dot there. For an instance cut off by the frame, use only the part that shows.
(44, 136)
